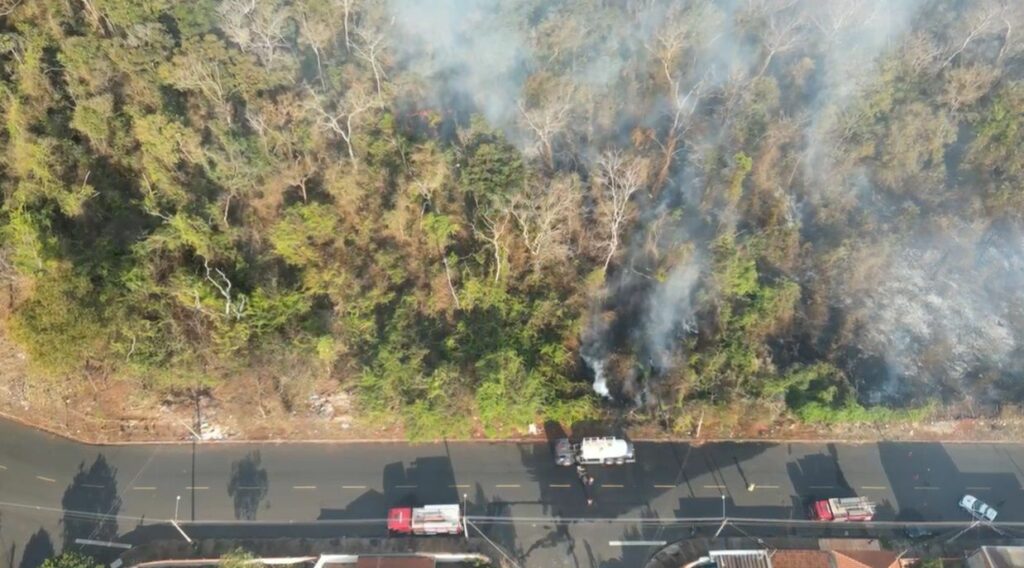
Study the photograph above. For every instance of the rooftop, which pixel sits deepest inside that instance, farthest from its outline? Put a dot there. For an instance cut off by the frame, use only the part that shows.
(741, 558)
(801, 559)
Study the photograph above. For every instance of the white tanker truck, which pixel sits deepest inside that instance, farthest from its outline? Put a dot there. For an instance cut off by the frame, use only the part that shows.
(593, 451)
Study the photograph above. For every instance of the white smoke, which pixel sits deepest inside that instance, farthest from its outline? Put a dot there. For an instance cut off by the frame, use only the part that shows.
(600, 377)
(940, 312)
(671, 311)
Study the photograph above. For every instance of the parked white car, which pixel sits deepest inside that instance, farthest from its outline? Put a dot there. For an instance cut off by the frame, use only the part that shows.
(978, 508)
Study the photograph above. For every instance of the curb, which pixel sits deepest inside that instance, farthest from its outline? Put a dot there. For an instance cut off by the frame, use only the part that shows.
(522, 440)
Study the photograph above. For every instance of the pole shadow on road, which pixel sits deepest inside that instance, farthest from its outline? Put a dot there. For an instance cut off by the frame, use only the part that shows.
(91, 504)
(38, 548)
(248, 486)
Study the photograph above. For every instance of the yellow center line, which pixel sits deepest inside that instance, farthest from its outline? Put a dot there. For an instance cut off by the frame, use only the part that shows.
(46, 479)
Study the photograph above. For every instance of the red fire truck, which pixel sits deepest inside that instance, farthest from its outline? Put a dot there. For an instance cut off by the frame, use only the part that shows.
(430, 519)
(843, 509)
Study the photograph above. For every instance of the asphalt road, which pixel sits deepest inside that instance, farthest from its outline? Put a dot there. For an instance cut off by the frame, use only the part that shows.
(53, 492)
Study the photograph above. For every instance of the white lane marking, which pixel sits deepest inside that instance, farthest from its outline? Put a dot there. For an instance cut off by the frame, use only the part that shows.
(405, 487)
(714, 487)
(93, 486)
(926, 488)
(664, 486)
(637, 543)
(759, 486)
(3, 468)
(507, 485)
(612, 485)
(979, 488)
(304, 487)
(560, 485)
(462, 486)
(103, 543)
(873, 487)
(144, 488)
(821, 486)
(249, 488)
(353, 487)
(196, 487)
(46, 479)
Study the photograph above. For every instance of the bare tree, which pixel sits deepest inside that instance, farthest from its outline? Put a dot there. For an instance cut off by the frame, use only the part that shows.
(8, 6)
(347, 7)
(618, 178)
(546, 123)
(978, 22)
(837, 15)
(965, 85)
(494, 226)
(369, 48)
(782, 33)
(193, 72)
(544, 215)
(340, 119)
(316, 33)
(667, 49)
(257, 27)
(233, 307)
(1013, 11)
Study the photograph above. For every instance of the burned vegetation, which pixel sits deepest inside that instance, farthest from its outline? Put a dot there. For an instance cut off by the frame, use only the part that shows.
(474, 215)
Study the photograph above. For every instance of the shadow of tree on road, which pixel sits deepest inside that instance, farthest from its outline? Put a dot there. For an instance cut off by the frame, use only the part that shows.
(91, 504)
(38, 548)
(248, 486)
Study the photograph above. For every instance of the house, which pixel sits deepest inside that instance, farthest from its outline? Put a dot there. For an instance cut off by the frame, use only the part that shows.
(801, 559)
(866, 559)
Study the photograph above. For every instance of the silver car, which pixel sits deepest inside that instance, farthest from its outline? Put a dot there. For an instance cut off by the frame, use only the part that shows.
(978, 508)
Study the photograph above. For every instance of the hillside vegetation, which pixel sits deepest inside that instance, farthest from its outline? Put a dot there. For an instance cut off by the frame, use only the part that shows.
(465, 212)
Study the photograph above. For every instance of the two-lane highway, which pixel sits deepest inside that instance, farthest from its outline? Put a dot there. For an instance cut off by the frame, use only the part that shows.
(53, 491)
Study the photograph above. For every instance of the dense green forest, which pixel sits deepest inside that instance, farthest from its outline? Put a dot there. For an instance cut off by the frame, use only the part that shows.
(467, 212)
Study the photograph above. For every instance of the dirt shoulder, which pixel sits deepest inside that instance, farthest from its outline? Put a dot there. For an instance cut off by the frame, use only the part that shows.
(108, 410)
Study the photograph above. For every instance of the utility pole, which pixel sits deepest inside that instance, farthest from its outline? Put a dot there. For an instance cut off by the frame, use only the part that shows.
(724, 518)
(174, 521)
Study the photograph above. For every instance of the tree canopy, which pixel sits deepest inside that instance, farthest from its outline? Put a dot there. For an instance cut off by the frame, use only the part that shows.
(464, 214)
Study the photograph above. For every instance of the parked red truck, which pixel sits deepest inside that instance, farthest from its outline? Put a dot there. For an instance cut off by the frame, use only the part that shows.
(426, 520)
(843, 509)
